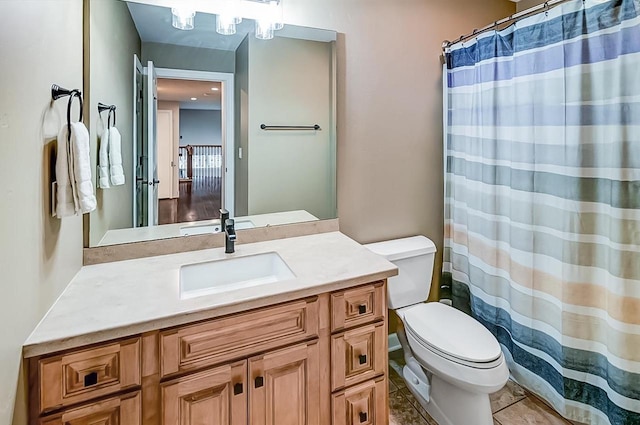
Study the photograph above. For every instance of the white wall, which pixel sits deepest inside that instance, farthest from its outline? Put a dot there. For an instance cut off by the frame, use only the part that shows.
(40, 44)
(113, 41)
(200, 127)
(290, 170)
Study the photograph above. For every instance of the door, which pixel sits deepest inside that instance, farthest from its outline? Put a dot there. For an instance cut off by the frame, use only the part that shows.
(166, 146)
(213, 397)
(149, 159)
(113, 411)
(285, 386)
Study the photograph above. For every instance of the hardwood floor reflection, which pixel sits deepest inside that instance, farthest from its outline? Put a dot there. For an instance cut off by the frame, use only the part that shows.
(198, 200)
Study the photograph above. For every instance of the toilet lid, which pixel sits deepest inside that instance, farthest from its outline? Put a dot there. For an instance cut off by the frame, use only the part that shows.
(450, 332)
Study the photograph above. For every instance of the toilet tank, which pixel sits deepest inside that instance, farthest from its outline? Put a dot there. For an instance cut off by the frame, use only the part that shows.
(414, 258)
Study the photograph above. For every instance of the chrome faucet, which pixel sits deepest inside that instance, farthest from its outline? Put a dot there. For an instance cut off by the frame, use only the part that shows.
(230, 235)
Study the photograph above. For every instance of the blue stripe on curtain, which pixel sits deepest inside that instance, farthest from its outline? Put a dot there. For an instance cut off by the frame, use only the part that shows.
(565, 27)
(593, 50)
(500, 323)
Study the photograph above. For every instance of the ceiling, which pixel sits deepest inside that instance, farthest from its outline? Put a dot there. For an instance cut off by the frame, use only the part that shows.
(183, 90)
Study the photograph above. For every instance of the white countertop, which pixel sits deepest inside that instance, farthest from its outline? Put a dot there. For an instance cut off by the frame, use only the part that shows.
(166, 231)
(119, 299)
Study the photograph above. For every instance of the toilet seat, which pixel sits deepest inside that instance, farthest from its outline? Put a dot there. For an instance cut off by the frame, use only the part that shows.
(451, 334)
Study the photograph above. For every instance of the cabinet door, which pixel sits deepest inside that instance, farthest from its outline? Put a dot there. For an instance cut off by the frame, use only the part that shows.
(113, 411)
(285, 386)
(213, 397)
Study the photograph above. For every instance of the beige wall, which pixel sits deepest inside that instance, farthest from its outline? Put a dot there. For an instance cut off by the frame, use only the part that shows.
(290, 170)
(113, 41)
(526, 4)
(241, 87)
(40, 44)
(390, 173)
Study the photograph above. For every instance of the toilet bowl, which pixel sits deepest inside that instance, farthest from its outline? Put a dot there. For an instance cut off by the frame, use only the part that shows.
(453, 362)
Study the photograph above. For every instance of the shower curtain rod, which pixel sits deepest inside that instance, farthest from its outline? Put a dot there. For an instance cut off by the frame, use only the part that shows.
(508, 20)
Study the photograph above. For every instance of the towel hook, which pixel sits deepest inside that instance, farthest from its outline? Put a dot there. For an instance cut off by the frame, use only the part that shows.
(112, 110)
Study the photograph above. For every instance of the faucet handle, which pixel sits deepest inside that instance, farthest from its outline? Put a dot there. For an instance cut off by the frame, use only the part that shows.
(224, 216)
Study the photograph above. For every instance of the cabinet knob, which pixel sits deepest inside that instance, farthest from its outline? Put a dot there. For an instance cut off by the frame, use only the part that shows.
(362, 358)
(259, 382)
(363, 417)
(362, 309)
(90, 379)
(237, 388)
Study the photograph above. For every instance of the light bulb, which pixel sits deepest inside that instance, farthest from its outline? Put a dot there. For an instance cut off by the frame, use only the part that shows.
(264, 29)
(225, 25)
(182, 18)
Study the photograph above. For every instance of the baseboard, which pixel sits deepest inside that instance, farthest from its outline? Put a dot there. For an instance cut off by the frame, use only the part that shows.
(394, 342)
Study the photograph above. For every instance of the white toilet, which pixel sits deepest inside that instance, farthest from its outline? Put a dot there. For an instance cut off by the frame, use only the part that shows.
(453, 362)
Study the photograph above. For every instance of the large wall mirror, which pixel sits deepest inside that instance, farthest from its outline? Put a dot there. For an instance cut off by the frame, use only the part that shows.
(203, 121)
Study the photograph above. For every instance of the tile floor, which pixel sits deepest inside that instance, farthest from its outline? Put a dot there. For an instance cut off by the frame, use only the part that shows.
(512, 405)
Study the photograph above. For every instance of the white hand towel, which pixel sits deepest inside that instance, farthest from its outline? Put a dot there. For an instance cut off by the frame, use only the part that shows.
(103, 161)
(65, 202)
(115, 157)
(83, 187)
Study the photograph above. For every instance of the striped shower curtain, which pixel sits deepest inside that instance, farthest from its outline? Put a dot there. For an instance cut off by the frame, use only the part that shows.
(542, 208)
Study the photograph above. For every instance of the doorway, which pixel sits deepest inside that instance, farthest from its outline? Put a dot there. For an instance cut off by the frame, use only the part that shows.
(194, 145)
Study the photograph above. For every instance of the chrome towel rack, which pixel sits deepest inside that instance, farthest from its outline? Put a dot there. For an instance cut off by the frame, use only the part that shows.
(314, 127)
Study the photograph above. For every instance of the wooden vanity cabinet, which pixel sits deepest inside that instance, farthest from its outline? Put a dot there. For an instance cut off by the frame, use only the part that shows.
(315, 361)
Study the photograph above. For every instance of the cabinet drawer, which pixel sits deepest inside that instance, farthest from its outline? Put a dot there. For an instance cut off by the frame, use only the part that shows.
(123, 410)
(357, 355)
(358, 306)
(83, 375)
(364, 404)
(241, 335)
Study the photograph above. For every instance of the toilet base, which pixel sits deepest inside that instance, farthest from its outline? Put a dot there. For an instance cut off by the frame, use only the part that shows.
(451, 405)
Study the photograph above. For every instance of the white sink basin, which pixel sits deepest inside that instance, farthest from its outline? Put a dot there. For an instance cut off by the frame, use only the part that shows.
(212, 228)
(218, 276)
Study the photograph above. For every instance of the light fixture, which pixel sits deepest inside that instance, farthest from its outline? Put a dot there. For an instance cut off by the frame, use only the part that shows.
(182, 18)
(194, 98)
(228, 18)
(270, 21)
(214, 89)
(277, 14)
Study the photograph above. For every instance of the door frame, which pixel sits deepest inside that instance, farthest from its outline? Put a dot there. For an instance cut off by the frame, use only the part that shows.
(228, 126)
(137, 69)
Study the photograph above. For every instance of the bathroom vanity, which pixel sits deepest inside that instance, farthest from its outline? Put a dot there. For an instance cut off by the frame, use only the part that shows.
(125, 345)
